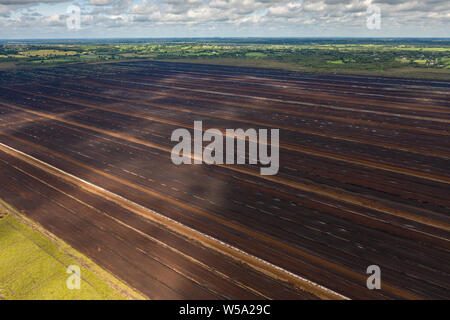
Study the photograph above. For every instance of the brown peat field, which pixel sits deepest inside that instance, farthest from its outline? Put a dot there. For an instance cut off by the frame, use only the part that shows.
(363, 180)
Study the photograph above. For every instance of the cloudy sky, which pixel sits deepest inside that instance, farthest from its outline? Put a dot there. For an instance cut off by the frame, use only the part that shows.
(223, 18)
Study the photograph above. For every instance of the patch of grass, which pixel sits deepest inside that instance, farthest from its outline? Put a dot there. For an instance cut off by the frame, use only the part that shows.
(34, 266)
(255, 55)
(48, 53)
(335, 61)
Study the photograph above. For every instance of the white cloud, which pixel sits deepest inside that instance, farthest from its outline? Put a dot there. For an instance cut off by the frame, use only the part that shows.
(100, 2)
(289, 9)
(223, 14)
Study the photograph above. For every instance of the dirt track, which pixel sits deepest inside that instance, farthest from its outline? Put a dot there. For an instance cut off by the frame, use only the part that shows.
(364, 179)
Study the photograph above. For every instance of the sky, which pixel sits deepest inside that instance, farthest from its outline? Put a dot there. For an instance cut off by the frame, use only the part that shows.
(36, 19)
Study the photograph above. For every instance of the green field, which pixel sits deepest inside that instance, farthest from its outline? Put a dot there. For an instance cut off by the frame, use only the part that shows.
(403, 58)
(33, 266)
